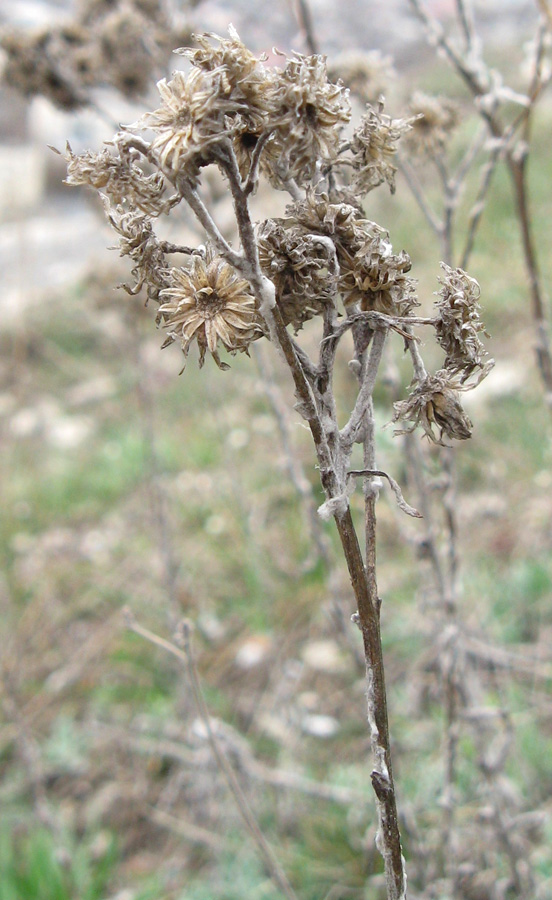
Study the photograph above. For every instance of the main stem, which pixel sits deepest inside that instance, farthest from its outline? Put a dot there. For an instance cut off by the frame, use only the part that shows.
(364, 583)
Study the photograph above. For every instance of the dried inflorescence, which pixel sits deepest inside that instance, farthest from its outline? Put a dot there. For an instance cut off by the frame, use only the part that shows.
(458, 323)
(367, 75)
(122, 44)
(434, 403)
(120, 177)
(209, 303)
(139, 242)
(374, 147)
(232, 111)
(370, 274)
(307, 117)
(433, 119)
(301, 267)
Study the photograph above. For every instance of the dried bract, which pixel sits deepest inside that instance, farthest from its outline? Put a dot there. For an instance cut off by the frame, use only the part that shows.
(308, 115)
(434, 403)
(458, 323)
(208, 302)
(301, 267)
(433, 120)
(373, 146)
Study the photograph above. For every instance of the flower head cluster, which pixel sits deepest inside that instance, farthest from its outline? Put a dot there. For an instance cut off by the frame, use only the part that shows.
(370, 274)
(209, 303)
(434, 403)
(433, 120)
(119, 177)
(458, 323)
(302, 268)
(116, 43)
(374, 145)
(308, 113)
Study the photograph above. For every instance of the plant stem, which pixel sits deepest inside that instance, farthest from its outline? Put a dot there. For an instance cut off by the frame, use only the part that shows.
(363, 581)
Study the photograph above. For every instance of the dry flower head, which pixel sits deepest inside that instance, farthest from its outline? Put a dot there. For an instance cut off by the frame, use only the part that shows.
(433, 120)
(434, 403)
(374, 147)
(208, 303)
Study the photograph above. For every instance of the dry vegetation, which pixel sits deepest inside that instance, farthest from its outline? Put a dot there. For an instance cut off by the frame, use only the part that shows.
(126, 486)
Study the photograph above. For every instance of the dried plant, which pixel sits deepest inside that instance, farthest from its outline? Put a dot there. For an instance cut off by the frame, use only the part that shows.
(323, 260)
(123, 44)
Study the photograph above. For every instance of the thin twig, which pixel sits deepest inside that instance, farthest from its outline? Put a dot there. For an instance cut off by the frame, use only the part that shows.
(186, 656)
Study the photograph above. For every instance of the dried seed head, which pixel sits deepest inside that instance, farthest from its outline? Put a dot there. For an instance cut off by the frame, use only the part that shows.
(307, 114)
(369, 272)
(433, 120)
(367, 75)
(138, 241)
(301, 267)
(320, 214)
(209, 303)
(434, 403)
(47, 62)
(92, 10)
(373, 146)
(376, 278)
(243, 77)
(458, 323)
(130, 56)
(119, 177)
(189, 121)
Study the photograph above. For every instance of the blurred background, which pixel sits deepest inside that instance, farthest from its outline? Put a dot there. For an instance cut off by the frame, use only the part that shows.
(124, 485)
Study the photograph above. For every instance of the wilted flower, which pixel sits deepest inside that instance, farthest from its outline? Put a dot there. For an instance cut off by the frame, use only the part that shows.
(321, 215)
(433, 119)
(301, 267)
(375, 277)
(458, 323)
(365, 74)
(129, 54)
(209, 303)
(119, 177)
(139, 242)
(434, 403)
(369, 272)
(374, 145)
(308, 115)
(53, 63)
(189, 120)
